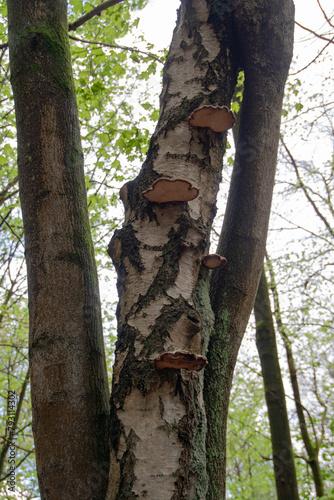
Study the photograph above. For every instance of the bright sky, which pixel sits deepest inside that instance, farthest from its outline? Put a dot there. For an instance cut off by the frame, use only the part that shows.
(159, 17)
(157, 20)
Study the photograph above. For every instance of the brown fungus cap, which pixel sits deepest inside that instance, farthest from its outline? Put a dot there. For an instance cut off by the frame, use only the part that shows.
(214, 261)
(166, 190)
(180, 359)
(217, 118)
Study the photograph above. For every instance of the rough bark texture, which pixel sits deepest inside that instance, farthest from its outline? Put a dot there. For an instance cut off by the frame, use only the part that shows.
(311, 449)
(284, 466)
(158, 420)
(68, 371)
(264, 35)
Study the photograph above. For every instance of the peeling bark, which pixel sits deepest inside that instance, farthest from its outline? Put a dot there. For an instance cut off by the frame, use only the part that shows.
(158, 420)
(68, 371)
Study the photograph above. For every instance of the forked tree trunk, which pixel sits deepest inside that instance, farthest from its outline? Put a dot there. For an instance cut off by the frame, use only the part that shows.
(68, 370)
(158, 424)
(284, 466)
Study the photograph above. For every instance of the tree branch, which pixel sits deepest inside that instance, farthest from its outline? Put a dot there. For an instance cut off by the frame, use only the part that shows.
(12, 230)
(16, 419)
(330, 40)
(313, 60)
(3, 193)
(324, 14)
(94, 12)
(302, 185)
(115, 46)
(83, 19)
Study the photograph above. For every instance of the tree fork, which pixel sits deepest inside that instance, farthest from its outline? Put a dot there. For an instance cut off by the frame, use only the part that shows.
(68, 370)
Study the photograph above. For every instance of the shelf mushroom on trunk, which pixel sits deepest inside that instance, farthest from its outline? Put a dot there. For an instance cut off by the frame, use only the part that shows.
(165, 190)
(216, 118)
(180, 359)
(214, 261)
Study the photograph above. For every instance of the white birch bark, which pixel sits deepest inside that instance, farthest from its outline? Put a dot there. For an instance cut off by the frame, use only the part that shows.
(158, 418)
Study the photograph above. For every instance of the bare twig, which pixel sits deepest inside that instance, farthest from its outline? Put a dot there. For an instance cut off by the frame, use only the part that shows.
(313, 60)
(13, 346)
(305, 190)
(115, 46)
(324, 14)
(330, 40)
(18, 465)
(94, 12)
(3, 193)
(12, 230)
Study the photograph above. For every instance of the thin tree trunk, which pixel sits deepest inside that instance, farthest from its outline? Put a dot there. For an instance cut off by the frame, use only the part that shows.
(284, 466)
(311, 449)
(264, 34)
(68, 371)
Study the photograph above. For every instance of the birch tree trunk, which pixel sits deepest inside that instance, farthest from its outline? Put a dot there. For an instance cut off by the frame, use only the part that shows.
(68, 370)
(158, 422)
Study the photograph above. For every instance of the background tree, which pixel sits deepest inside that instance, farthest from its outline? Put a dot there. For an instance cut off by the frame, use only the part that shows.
(311, 449)
(283, 460)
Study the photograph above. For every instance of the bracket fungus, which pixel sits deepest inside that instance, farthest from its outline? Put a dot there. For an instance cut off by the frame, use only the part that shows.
(180, 359)
(216, 118)
(213, 261)
(165, 190)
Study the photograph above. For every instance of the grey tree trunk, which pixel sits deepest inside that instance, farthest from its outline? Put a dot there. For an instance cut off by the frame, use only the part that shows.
(284, 466)
(68, 370)
(168, 300)
(264, 36)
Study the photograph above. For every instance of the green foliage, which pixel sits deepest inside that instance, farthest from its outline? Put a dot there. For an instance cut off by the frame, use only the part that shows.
(250, 472)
